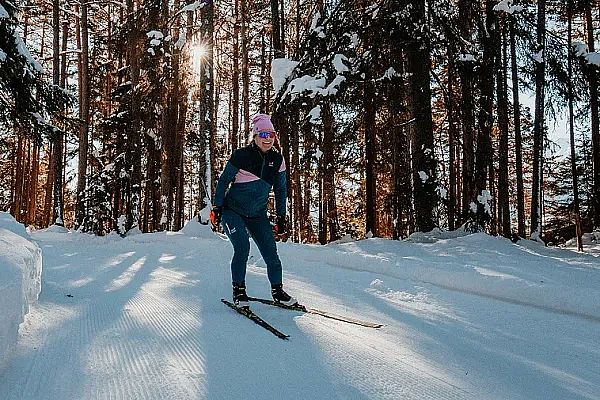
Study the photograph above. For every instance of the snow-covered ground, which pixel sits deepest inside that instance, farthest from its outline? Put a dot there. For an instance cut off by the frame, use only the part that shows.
(472, 317)
(20, 280)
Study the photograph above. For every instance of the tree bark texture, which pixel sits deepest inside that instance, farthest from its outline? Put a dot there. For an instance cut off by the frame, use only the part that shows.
(538, 129)
(424, 166)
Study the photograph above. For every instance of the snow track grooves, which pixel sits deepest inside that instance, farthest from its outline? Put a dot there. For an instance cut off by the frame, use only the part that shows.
(139, 342)
(147, 349)
(376, 369)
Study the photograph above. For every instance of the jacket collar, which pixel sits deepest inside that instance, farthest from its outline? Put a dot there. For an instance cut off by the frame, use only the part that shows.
(255, 147)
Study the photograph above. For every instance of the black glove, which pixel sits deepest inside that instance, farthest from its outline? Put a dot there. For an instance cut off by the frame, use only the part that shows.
(215, 215)
(280, 225)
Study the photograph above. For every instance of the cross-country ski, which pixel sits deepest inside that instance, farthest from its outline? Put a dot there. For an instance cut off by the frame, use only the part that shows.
(326, 314)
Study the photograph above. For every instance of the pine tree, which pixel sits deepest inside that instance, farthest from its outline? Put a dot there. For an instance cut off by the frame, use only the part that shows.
(84, 115)
(419, 66)
(30, 108)
(576, 206)
(592, 75)
(538, 145)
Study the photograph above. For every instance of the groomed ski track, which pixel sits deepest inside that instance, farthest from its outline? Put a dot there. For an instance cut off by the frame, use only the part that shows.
(141, 318)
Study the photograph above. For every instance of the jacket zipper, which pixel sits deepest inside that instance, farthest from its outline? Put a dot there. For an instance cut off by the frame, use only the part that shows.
(262, 167)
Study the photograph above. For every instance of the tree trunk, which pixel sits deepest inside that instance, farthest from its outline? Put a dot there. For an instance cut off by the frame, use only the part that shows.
(502, 107)
(278, 51)
(578, 232)
(57, 215)
(538, 128)
(329, 198)
(179, 175)
(283, 23)
(207, 163)
(84, 112)
(18, 181)
(453, 138)
(33, 186)
(133, 197)
(486, 84)
(402, 213)
(322, 211)
(467, 107)
(296, 188)
(297, 20)
(263, 74)
(49, 186)
(235, 81)
(305, 180)
(27, 176)
(517, 128)
(210, 91)
(370, 138)
(245, 69)
(424, 172)
(595, 123)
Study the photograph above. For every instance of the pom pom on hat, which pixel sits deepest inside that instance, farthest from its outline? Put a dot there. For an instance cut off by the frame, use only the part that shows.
(262, 123)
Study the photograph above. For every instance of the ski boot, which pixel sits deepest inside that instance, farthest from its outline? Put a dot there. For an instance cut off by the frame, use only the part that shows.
(240, 298)
(280, 296)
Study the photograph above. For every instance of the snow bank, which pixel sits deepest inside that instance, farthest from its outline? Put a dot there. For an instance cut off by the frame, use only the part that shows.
(193, 228)
(20, 280)
(523, 273)
(56, 229)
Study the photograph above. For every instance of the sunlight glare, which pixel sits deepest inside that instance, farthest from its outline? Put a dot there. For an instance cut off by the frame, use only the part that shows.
(198, 54)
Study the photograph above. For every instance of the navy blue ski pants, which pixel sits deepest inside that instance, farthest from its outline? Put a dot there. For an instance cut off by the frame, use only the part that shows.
(239, 229)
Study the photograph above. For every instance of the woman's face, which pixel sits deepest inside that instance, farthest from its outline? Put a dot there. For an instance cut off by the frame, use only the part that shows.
(265, 141)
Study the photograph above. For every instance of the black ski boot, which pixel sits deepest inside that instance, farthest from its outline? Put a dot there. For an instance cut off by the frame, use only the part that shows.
(240, 298)
(280, 296)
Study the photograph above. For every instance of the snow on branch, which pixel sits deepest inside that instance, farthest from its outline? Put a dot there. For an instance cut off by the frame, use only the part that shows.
(593, 58)
(193, 6)
(507, 7)
(281, 69)
(466, 58)
(581, 50)
(3, 13)
(189, 8)
(22, 48)
(315, 115)
(338, 63)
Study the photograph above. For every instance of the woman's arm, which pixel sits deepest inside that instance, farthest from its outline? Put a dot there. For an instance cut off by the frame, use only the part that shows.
(227, 176)
(280, 190)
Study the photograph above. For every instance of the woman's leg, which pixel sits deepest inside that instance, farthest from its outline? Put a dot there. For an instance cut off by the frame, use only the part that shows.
(235, 229)
(260, 229)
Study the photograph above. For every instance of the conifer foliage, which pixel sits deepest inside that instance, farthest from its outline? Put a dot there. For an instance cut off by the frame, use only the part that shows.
(26, 99)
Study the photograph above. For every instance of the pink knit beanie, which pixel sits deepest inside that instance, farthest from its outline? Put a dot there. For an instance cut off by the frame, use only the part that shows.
(262, 123)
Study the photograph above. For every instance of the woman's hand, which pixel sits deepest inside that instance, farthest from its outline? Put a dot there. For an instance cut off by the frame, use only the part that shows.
(280, 225)
(215, 216)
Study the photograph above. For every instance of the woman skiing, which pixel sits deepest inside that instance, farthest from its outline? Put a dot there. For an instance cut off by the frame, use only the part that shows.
(240, 205)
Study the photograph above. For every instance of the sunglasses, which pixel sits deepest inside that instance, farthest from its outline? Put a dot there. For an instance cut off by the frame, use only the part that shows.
(265, 135)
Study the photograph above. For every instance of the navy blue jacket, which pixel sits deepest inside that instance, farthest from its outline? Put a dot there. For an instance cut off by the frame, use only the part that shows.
(253, 174)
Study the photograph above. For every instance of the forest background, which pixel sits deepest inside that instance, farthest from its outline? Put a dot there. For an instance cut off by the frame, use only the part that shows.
(393, 116)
